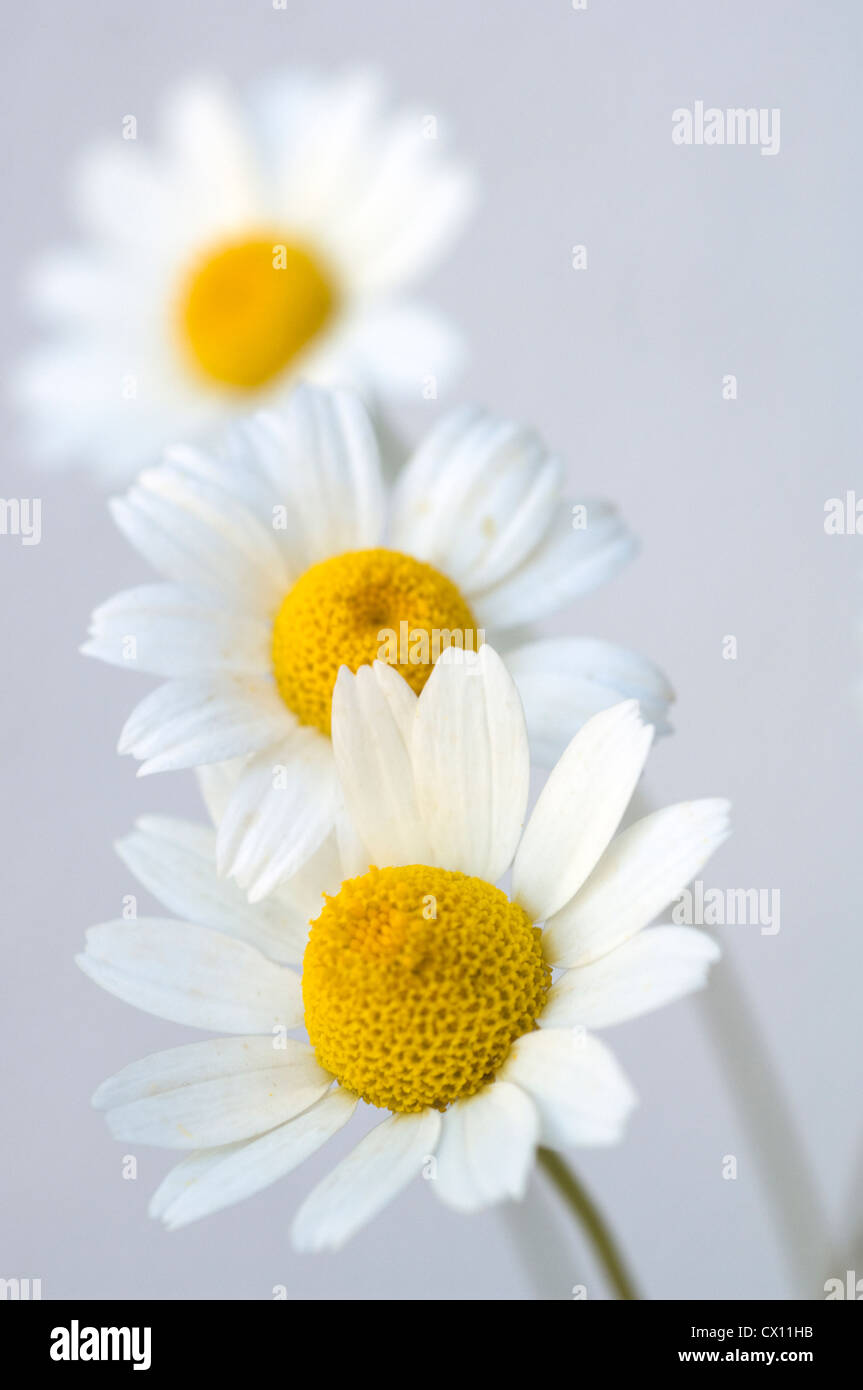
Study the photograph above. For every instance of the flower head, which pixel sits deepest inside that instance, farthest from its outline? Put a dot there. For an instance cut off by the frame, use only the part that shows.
(427, 990)
(260, 239)
(286, 557)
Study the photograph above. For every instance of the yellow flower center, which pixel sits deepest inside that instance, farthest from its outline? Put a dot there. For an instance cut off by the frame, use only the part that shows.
(416, 983)
(362, 606)
(250, 307)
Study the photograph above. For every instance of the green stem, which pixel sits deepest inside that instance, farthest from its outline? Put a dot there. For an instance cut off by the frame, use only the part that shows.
(760, 1098)
(592, 1221)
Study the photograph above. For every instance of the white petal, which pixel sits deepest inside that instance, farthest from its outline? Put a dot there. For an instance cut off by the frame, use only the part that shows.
(216, 1178)
(302, 895)
(410, 212)
(70, 285)
(577, 1086)
(204, 720)
(397, 348)
(77, 413)
(381, 1165)
(409, 526)
(170, 631)
(189, 1170)
(378, 192)
(372, 711)
(281, 811)
(176, 861)
(353, 857)
(566, 564)
(192, 975)
(193, 539)
(194, 1063)
(486, 1148)
(579, 809)
(321, 456)
(564, 681)
(496, 477)
(212, 1093)
(123, 196)
(296, 903)
(643, 869)
(212, 157)
(471, 763)
(217, 783)
(316, 132)
(652, 969)
(230, 473)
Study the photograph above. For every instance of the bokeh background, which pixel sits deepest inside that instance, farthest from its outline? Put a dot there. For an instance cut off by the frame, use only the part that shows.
(701, 262)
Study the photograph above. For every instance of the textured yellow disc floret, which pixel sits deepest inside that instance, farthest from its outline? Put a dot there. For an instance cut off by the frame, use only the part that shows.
(338, 612)
(416, 983)
(250, 307)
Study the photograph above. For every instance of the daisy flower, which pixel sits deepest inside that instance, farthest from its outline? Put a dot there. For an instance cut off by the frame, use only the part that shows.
(426, 990)
(260, 238)
(286, 558)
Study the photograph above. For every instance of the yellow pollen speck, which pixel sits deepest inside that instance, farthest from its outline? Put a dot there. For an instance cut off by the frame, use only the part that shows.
(249, 308)
(416, 983)
(339, 612)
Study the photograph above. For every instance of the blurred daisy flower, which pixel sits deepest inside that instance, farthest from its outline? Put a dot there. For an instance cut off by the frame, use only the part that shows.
(258, 240)
(287, 558)
(426, 990)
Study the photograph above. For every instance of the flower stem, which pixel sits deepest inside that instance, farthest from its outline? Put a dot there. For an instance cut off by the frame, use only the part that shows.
(759, 1096)
(592, 1222)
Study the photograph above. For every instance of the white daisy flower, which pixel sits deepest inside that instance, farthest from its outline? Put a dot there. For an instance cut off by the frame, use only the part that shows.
(261, 239)
(286, 559)
(426, 990)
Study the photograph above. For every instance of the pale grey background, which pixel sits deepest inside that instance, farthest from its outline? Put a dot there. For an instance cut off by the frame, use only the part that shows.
(701, 262)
